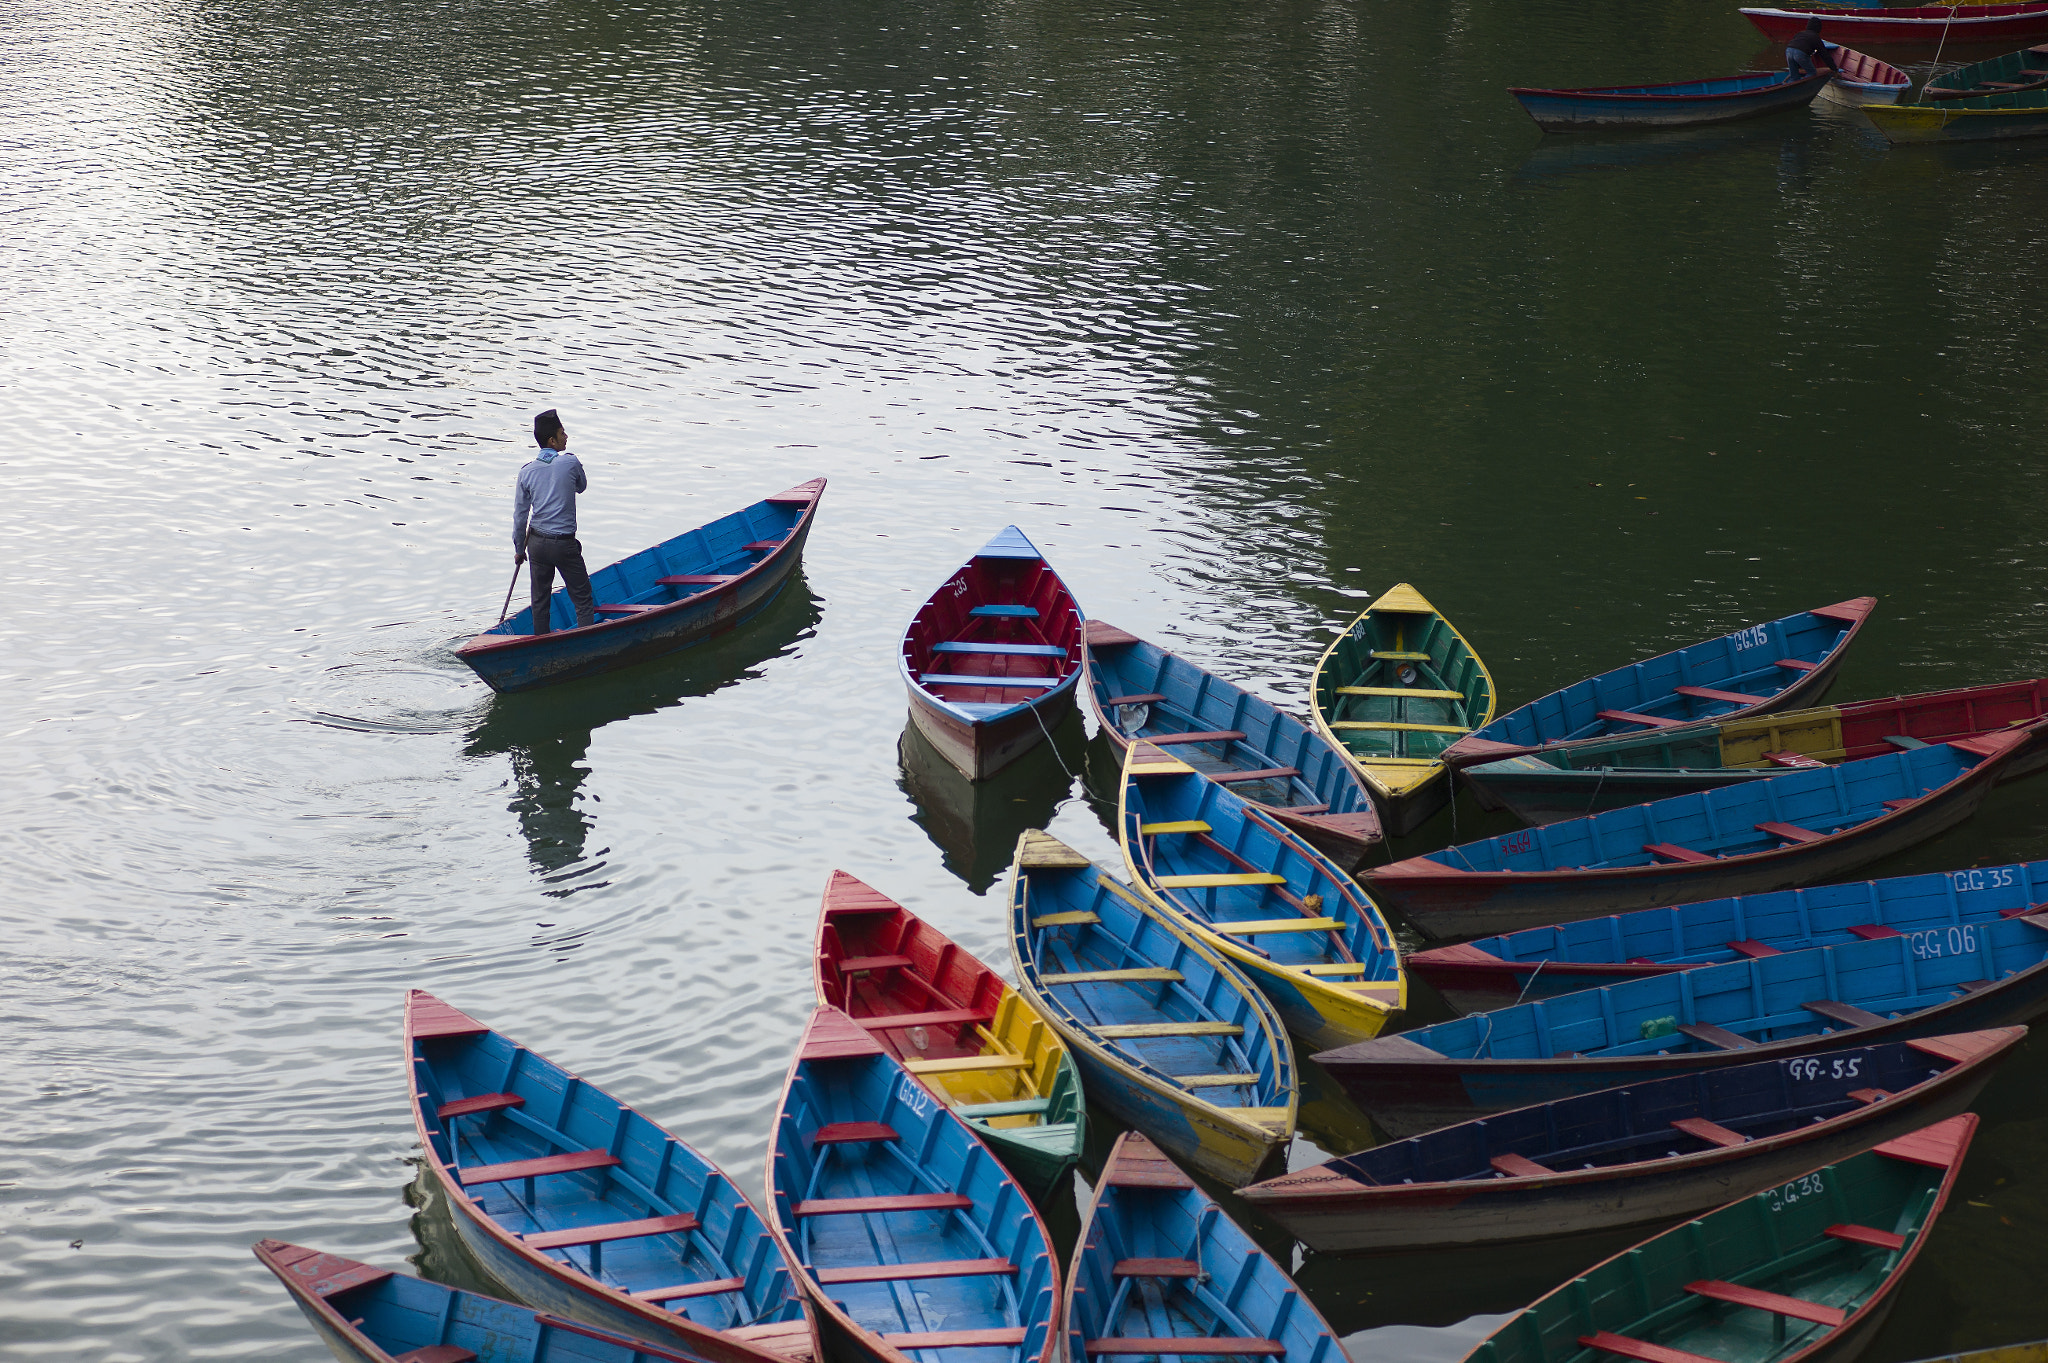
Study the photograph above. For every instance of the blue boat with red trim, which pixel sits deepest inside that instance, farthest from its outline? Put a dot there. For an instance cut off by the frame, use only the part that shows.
(1678, 104)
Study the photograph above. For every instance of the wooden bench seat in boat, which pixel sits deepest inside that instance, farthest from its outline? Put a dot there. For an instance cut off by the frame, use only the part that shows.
(1007, 683)
(900, 1202)
(1147, 830)
(854, 965)
(630, 608)
(1131, 1031)
(1790, 832)
(1398, 726)
(1401, 692)
(1904, 742)
(482, 1102)
(1066, 918)
(1023, 650)
(1866, 1235)
(941, 1017)
(1736, 1294)
(1755, 950)
(1719, 1037)
(1212, 1081)
(937, 1268)
(1220, 880)
(1259, 927)
(1631, 717)
(1791, 759)
(853, 1133)
(1868, 1096)
(1671, 851)
(1396, 656)
(1016, 1107)
(999, 1338)
(1795, 665)
(1155, 1268)
(1225, 778)
(713, 1288)
(1005, 612)
(1896, 805)
(574, 1162)
(695, 579)
(615, 1230)
(1133, 974)
(967, 1064)
(1713, 1133)
(1143, 698)
(1873, 932)
(1209, 736)
(1709, 693)
(1207, 1344)
(1641, 1350)
(1848, 1014)
(762, 546)
(1518, 1166)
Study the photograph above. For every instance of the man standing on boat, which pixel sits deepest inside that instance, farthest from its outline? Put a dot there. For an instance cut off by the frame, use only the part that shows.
(544, 523)
(1806, 48)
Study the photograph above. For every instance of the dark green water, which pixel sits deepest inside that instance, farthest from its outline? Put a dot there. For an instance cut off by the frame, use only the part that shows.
(1243, 312)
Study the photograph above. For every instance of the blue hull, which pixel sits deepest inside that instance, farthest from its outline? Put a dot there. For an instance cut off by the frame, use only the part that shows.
(1671, 106)
(666, 616)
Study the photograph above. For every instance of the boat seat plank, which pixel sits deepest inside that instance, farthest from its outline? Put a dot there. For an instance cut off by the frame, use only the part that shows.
(1018, 1107)
(1904, 742)
(1846, 1013)
(1224, 778)
(1131, 975)
(1713, 1133)
(1734, 1293)
(1866, 1235)
(965, 1064)
(1336, 968)
(1715, 1036)
(573, 1162)
(853, 965)
(1709, 693)
(1790, 832)
(1007, 683)
(1324, 809)
(1066, 918)
(1894, 806)
(483, 1102)
(1518, 1166)
(629, 608)
(869, 1206)
(937, 1268)
(713, 1288)
(1259, 927)
(1631, 717)
(1671, 851)
(436, 1353)
(1142, 698)
(1972, 986)
(1211, 1081)
(1398, 727)
(1403, 692)
(1397, 656)
(762, 545)
(1207, 1344)
(1005, 612)
(1126, 1031)
(1791, 759)
(1220, 880)
(1155, 1268)
(1753, 949)
(695, 579)
(1001, 1337)
(1025, 650)
(853, 1133)
(1175, 826)
(1868, 1096)
(1796, 665)
(1873, 932)
(2026, 913)
(1197, 736)
(939, 1017)
(678, 1224)
(1640, 1349)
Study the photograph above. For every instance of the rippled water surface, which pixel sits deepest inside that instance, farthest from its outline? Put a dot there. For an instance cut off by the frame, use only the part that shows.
(1244, 312)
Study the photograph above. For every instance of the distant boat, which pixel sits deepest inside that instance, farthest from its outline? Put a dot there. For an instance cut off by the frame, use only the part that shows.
(1160, 1271)
(1392, 693)
(993, 657)
(909, 1235)
(2035, 1352)
(1803, 1273)
(1797, 829)
(1649, 1154)
(1862, 79)
(1277, 909)
(1573, 780)
(1755, 670)
(2005, 97)
(365, 1314)
(1171, 1039)
(683, 590)
(1267, 756)
(1790, 1007)
(636, 1232)
(1678, 104)
(1938, 911)
(2015, 73)
(1929, 26)
(955, 1025)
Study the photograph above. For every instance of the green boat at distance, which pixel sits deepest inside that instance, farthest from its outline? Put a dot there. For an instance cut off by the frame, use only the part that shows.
(1988, 101)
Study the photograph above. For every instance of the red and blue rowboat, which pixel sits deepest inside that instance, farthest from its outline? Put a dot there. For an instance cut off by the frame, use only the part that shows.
(992, 660)
(1767, 667)
(675, 594)
(1928, 26)
(1680, 104)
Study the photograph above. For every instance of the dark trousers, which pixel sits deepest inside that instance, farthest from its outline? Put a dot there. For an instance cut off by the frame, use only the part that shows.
(1798, 66)
(544, 554)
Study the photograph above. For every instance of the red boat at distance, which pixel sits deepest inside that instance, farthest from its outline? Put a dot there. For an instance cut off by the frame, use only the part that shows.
(1924, 26)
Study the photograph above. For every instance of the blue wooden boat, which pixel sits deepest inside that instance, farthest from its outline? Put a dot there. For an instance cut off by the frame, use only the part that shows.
(1277, 909)
(912, 1240)
(1772, 666)
(1161, 1273)
(1939, 912)
(992, 659)
(678, 593)
(1794, 1005)
(1678, 104)
(366, 1314)
(1168, 1036)
(583, 1207)
(1270, 758)
(1801, 1273)
(1805, 826)
(1648, 1154)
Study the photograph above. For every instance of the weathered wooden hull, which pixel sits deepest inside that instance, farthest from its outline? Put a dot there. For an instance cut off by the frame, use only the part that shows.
(521, 662)
(1562, 111)
(978, 749)
(1334, 1213)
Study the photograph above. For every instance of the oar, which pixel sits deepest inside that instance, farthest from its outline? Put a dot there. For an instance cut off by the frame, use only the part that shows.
(508, 592)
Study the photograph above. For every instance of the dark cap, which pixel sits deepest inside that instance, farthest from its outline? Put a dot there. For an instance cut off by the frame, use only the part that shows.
(545, 425)
(1813, 25)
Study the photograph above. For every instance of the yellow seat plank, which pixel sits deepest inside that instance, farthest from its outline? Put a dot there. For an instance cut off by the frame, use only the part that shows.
(1137, 973)
(1210, 1081)
(1206, 882)
(1122, 1031)
(1404, 728)
(1375, 760)
(1395, 656)
(1162, 769)
(1175, 826)
(1339, 968)
(1405, 692)
(1276, 1118)
(1060, 920)
(1257, 927)
(964, 1063)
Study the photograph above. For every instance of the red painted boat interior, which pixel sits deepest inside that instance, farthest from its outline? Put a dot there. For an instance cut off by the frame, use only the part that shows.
(939, 991)
(1861, 66)
(1943, 717)
(990, 581)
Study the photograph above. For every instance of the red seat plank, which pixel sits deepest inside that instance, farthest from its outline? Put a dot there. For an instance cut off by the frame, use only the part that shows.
(853, 1133)
(1848, 1014)
(1631, 717)
(901, 1202)
(1869, 1095)
(1105, 635)
(1871, 932)
(429, 1017)
(1145, 698)
(2023, 912)
(1709, 693)
(959, 1339)
(1753, 949)
(849, 964)
(483, 1102)
(570, 1163)
(1715, 1290)
(1208, 1344)
(1896, 805)
(630, 608)
(616, 1230)
(1713, 1133)
(763, 544)
(1715, 1036)
(712, 1288)
(1866, 1235)
(1790, 832)
(1224, 778)
(945, 1017)
(1156, 1268)
(1518, 1166)
(695, 579)
(1208, 736)
(1791, 759)
(1797, 666)
(436, 1353)
(1640, 1349)
(1671, 851)
(938, 1268)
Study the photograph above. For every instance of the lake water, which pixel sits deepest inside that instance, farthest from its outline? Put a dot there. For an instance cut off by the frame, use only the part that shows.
(1244, 313)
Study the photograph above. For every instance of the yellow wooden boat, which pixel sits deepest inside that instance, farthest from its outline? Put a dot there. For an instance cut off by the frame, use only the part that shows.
(1395, 689)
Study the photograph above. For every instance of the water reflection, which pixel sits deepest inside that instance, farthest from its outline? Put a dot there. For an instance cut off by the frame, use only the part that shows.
(976, 824)
(547, 733)
(1569, 154)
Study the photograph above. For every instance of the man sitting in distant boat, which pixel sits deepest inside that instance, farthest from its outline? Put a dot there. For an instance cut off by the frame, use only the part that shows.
(544, 523)
(1804, 50)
